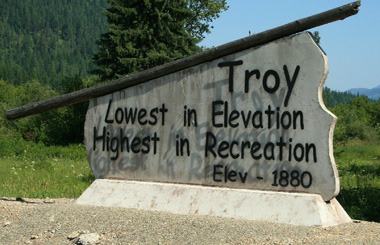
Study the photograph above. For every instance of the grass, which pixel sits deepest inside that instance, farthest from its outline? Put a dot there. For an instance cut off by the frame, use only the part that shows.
(359, 169)
(41, 172)
(37, 171)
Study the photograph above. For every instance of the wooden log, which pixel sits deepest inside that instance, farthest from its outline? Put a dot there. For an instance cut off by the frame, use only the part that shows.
(261, 38)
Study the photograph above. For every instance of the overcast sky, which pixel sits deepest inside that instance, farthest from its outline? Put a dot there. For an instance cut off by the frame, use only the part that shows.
(352, 45)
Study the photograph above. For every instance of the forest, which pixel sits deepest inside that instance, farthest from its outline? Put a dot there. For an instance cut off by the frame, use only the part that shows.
(48, 40)
(47, 50)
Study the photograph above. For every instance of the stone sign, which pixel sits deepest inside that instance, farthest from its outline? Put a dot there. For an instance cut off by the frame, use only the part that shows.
(252, 120)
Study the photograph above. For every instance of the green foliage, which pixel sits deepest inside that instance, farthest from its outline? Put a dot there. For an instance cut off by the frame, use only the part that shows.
(358, 119)
(37, 171)
(13, 96)
(29, 168)
(60, 127)
(145, 34)
(358, 116)
(359, 169)
(48, 40)
(357, 152)
(65, 125)
(203, 12)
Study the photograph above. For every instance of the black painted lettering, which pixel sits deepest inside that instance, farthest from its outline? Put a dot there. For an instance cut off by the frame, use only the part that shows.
(244, 145)
(216, 172)
(298, 114)
(184, 144)
(299, 152)
(225, 114)
(155, 140)
(255, 147)
(243, 176)
(163, 110)
(108, 141)
(286, 120)
(106, 120)
(193, 117)
(290, 147)
(190, 116)
(119, 115)
(231, 175)
(153, 116)
(120, 142)
(186, 122)
(130, 115)
(177, 146)
(269, 112)
(142, 116)
(223, 146)
(257, 119)
(210, 144)
(145, 145)
(278, 118)
(135, 145)
(231, 65)
(216, 113)
(310, 147)
(115, 148)
(232, 118)
(276, 84)
(135, 115)
(228, 174)
(280, 144)
(232, 154)
(245, 118)
(290, 82)
(248, 75)
(269, 151)
(124, 141)
(101, 137)
(294, 178)
(225, 173)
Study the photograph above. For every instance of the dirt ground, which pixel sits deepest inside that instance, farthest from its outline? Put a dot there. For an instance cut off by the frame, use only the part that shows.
(61, 221)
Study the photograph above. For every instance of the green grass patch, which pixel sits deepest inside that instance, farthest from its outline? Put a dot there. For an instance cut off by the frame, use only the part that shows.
(359, 169)
(37, 171)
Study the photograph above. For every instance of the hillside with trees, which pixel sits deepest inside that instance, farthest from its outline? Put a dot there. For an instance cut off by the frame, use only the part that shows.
(48, 40)
(332, 98)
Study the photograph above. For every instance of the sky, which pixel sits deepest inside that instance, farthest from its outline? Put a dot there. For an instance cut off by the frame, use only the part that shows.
(352, 45)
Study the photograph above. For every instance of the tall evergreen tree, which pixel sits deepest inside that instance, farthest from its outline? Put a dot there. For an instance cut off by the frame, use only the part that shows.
(146, 33)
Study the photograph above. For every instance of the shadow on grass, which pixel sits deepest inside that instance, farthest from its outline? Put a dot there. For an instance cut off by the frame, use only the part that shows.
(89, 178)
(362, 203)
(360, 191)
(364, 169)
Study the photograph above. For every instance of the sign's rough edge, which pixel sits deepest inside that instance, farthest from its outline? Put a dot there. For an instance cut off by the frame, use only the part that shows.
(333, 121)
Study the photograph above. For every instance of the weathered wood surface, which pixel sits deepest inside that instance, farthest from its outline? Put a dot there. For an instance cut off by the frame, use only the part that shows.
(329, 16)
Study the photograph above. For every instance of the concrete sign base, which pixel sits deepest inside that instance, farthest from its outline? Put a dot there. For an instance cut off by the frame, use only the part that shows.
(281, 207)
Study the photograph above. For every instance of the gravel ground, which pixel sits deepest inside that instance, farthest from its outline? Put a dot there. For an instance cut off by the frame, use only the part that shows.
(54, 221)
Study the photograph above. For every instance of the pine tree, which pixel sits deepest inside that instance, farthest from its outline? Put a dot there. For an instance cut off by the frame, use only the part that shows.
(147, 33)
